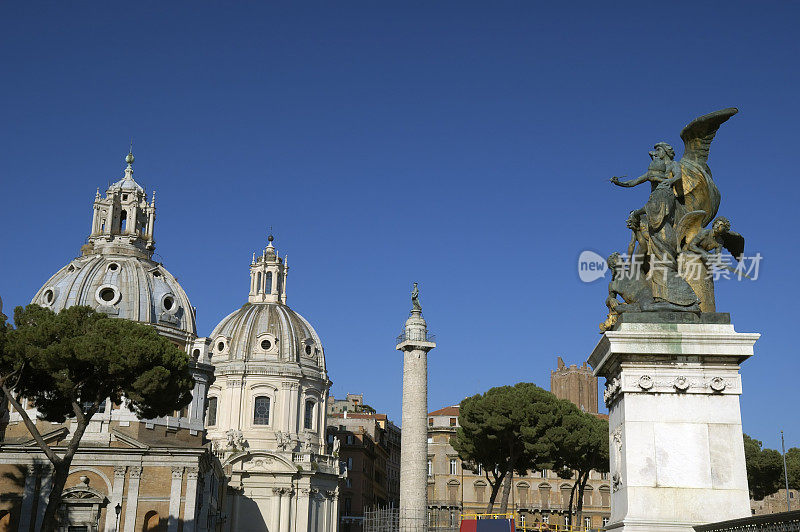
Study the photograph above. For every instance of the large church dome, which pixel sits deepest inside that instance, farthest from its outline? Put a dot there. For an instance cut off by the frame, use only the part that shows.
(115, 273)
(121, 286)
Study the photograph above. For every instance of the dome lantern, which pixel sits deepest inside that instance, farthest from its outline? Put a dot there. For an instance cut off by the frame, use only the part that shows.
(122, 221)
(268, 276)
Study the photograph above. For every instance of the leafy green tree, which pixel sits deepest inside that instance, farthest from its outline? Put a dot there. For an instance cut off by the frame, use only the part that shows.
(68, 364)
(793, 467)
(764, 469)
(503, 431)
(581, 446)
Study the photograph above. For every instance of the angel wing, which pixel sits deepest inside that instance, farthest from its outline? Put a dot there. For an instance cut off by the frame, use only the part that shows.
(688, 227)
(697, 136)
(734, 243)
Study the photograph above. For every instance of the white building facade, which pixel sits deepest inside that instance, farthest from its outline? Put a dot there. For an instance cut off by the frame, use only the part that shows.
(267, 411)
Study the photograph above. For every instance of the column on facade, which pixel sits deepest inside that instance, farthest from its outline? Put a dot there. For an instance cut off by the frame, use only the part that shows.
(335, 509)
(301, 519)
(312, 510)
(175, 499)
(28, 497)
(116, 498)
(44, 495)
(95, 216)
(189, 514)
(205, 497)
(134, 219)
(234, 403)
(294, 394)
(286, 506)
(285, 400)
(151, 218)
(133, 498)
(275, 521)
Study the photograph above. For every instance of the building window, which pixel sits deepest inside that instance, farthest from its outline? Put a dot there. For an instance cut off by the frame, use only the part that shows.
(480, 492)
(430, 467)
(258, 282)
(268, 283)
(261, 411)
(430, 421)
(605, 521)
(587, 522)
(453, 466)
(546, 519)
(604, 476)
(349, 439)
(522, 520)
(480, 470)
(211, 416)
(308, 420)
(452, 422)
(349, 463)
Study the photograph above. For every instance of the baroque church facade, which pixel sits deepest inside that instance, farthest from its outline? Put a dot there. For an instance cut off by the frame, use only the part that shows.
(247, 454)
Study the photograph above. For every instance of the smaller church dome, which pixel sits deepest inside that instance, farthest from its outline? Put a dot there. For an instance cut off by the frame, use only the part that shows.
(266, 331)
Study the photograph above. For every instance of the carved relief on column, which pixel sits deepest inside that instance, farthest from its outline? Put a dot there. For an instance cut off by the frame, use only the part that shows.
(119, 471)
(177, 472)
(192, 473)
(136, 472)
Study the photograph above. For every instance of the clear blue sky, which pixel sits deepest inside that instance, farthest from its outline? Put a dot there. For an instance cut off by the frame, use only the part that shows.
(463, 145)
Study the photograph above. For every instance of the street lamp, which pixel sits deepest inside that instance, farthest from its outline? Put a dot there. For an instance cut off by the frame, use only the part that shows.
(118, 510)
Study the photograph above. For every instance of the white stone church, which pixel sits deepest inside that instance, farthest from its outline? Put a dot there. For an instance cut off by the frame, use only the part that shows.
(248, 454)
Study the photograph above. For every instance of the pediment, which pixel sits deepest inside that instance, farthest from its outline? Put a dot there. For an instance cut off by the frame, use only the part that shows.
(54, 436)
(128, 440)
(261, 462)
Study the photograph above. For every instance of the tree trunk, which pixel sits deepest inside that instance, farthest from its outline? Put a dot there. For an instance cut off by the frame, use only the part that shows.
(506, 492)
(583, 480)
(495, 489)
(61, 468)
(571, 500)
(60, 474)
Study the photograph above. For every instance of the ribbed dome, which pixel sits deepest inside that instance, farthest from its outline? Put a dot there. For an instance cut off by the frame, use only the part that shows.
(122, 286)
(266, 331)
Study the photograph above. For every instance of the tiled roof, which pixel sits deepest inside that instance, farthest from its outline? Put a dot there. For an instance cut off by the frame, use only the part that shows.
(446, 411)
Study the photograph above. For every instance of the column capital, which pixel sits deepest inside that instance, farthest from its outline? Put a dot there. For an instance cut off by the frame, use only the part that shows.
(177, 472)
(136, 472)
(119, 471)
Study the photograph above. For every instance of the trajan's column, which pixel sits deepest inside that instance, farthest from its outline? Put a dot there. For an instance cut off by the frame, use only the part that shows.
(415, 342)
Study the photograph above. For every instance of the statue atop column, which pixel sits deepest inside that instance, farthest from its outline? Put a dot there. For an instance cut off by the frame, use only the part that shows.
(671, 255)
(415, 298)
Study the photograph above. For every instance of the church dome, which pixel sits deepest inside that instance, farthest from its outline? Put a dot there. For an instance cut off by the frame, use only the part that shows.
(122, 286)
(266, 331)
(115, 273)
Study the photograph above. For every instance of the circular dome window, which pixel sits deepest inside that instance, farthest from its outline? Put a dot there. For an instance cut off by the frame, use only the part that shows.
(156, 273)
(169, 302)
(221, 346)
(196, 354)
(107, 295)
(266, 345)
(308, 349)
(113, 267)
(48, 297)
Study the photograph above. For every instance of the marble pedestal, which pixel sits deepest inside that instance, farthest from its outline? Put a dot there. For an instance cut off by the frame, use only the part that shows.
(672, 389)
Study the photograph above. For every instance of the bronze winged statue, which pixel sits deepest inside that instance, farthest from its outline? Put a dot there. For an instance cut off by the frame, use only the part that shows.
(683, 200)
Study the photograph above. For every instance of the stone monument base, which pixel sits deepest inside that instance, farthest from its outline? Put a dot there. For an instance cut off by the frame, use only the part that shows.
(672, 388)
